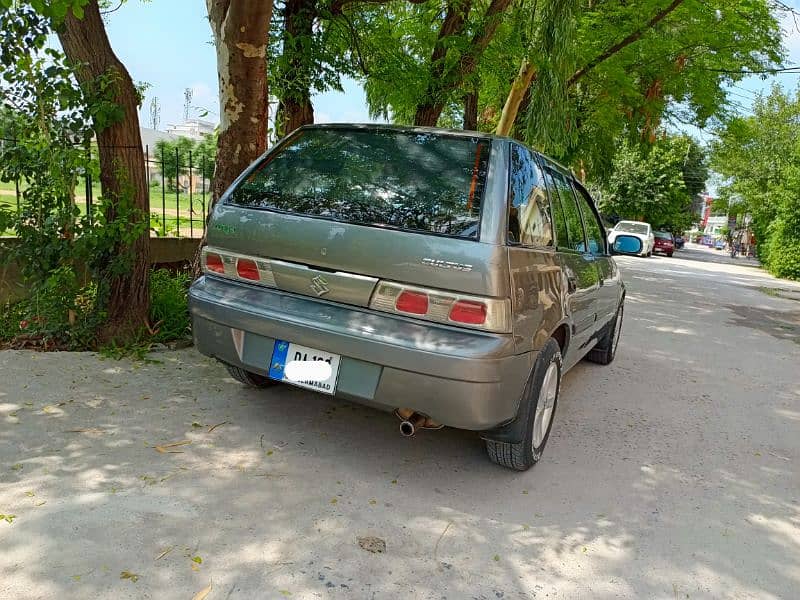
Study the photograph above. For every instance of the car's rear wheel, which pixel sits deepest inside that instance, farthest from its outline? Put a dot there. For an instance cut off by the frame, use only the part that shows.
(606, 349)
(249, 378)
(539, 406)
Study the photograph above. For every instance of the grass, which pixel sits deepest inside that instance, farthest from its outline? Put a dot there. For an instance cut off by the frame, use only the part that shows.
(158, 197)
(172, 211)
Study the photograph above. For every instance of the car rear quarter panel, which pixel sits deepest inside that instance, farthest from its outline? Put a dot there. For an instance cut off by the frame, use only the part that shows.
(537, 295)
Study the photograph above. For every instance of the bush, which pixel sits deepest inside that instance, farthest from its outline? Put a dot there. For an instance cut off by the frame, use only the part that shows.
(782, 256)
(59, 314)
(169, 308)
(62, 314)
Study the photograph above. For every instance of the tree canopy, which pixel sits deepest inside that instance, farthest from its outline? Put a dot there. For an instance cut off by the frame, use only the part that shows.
(656, 184)
(759, 157)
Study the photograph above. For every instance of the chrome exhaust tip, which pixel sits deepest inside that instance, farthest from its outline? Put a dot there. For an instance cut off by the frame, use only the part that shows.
(407, 429)
(409, 426)
(411, 421)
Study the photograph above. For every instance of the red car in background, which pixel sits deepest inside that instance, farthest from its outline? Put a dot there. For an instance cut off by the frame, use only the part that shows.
(663, 243)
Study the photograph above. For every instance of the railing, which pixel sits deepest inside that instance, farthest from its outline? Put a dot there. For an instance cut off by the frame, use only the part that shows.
(178, 183)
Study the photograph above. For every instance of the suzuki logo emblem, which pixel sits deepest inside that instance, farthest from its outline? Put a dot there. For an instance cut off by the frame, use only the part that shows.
(319, 285)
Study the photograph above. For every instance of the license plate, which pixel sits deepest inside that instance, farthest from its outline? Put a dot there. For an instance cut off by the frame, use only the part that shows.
(283, 353)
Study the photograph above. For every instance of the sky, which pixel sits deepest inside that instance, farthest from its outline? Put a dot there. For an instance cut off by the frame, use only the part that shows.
(168, 45)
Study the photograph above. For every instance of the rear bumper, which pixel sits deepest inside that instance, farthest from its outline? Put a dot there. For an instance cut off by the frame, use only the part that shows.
(461, 378)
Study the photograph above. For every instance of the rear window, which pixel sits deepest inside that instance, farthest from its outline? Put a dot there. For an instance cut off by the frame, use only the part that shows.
(415, 181)
(663, 235)
(631, 227)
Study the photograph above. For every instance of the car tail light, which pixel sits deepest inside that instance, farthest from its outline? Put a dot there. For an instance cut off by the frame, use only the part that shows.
(235, 266)
(247, 268)
(415, 303)
(441, 306)
(214, 263)
(467, 311)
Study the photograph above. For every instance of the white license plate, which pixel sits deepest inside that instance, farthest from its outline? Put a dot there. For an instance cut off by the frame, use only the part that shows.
(284, 352)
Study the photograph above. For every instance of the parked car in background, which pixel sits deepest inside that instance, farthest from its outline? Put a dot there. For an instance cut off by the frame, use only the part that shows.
(449, 276)
(639, 229)
(663, 243)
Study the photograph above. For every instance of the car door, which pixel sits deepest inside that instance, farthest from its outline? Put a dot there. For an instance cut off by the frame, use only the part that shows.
(534, 268)
(608, 294)
(582, 277)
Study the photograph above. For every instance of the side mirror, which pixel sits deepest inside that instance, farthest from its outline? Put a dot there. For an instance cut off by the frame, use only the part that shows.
(627, 244)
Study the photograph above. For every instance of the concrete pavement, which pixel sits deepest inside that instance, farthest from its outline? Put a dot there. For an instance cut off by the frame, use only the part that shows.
(673, 473)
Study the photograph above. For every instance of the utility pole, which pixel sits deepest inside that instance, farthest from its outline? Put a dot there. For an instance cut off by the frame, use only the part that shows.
(155, 112)
(187, 97)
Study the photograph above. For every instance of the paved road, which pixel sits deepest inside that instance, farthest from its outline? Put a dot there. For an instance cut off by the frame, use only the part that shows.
(674, 473)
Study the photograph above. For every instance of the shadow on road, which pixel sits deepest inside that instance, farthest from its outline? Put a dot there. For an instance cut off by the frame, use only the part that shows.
(671, 473)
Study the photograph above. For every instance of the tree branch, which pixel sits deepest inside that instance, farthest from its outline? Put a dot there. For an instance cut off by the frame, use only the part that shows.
(115, 9)
(625, 42)
(491, 21)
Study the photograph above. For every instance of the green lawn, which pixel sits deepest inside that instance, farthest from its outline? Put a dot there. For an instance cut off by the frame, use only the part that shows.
(171, 211)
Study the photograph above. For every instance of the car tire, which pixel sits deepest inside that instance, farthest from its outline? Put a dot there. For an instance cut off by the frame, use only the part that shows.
(669, 254)
(606, 349)
(540, 400)
(248, 378)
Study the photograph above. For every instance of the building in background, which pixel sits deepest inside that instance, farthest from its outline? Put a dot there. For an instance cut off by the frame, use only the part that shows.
(150, 137)
(714, 225)
(195, 129)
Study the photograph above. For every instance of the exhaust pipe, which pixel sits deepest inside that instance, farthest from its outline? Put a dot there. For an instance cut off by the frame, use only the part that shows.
(409, 426)
(412, 421)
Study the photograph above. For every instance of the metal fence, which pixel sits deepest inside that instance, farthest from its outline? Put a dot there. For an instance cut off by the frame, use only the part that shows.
(178, 183)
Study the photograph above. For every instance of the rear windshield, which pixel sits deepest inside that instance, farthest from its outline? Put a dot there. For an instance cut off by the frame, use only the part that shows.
(631, 227)
(663, 235)
(424, 182)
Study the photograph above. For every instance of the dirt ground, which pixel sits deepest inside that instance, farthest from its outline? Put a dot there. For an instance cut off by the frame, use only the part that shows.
(673, 473)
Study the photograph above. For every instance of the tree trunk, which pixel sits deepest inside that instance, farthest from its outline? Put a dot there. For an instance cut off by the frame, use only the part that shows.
(454, 23)
(294, 113)
(241, 33)
(122, 169)
(428, 114)
(295, 109)
(442, 82)
(471, 111)
(515, 96)
(518, 129)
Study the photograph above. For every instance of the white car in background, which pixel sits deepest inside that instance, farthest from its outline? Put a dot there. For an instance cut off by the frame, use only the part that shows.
(638, 229)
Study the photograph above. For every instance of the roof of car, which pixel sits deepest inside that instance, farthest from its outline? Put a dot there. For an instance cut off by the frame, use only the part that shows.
(405, 128)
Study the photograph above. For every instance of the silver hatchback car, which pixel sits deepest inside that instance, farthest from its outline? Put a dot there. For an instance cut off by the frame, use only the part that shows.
(451, 277)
